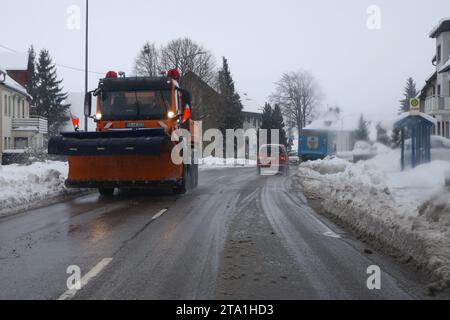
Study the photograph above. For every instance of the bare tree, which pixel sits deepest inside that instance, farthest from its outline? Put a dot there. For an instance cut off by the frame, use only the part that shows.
(186, 55)
(147, 63)
(298, 94)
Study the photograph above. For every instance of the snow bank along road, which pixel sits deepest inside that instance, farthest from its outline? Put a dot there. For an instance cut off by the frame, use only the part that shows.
(239, 236)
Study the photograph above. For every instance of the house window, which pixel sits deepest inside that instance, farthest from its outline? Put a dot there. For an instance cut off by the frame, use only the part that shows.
(5, 146)
(438, 56)
(23, 108)
(439, 90)
(9, 106)
(438, 128)
(5, 106)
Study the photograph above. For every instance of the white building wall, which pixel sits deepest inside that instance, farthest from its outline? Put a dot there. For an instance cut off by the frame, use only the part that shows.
(443, 42)
(442, 87)
(14, 105)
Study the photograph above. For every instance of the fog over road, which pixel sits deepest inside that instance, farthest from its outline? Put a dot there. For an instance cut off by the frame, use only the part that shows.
(238, 236)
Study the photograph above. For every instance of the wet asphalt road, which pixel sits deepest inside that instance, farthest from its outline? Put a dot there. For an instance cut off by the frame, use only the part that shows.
(238, 236)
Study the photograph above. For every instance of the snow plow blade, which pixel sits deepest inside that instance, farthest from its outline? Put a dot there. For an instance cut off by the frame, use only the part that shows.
(145, 142)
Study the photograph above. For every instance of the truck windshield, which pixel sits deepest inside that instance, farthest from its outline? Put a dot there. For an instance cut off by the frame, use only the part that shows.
(135, 105)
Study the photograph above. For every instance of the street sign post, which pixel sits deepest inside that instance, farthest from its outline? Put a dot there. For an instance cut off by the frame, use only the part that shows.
(414, 106)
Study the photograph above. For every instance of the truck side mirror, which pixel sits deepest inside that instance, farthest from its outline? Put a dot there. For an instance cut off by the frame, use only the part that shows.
(88, 104)
(186, 97)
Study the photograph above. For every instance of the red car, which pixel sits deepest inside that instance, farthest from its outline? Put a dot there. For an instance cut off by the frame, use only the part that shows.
(273, 156)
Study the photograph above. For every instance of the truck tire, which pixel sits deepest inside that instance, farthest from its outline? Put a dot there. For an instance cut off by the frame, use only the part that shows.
(106, 192)
(184, 184)
(194, 176)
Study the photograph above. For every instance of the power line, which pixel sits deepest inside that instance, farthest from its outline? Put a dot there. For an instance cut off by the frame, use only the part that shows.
(56, 64)
(7, 48)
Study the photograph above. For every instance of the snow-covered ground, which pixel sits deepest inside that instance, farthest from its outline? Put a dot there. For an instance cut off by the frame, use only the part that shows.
(24, 186)
(406, 213)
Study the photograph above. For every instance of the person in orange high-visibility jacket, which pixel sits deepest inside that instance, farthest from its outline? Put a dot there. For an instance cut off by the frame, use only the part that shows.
(75, 121)
(187, 107)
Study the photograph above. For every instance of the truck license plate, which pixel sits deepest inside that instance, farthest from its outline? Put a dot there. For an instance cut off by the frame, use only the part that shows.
(135, 125)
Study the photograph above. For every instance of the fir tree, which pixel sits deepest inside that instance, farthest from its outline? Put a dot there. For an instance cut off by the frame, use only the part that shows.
(231, 115)
(266, 118)
(49, 96)
(272, 118)
(278, 123)
(31, 71)
(395, 139)
(362, 133)
(409, 93)
(382, 136)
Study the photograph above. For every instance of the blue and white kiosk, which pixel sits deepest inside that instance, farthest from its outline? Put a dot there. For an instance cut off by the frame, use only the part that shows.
(419, 127)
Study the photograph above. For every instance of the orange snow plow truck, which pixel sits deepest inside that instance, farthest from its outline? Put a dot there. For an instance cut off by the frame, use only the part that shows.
(132, 145)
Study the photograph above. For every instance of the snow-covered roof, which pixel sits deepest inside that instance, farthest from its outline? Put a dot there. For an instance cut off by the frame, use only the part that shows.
(427, 84)
(388, 124)
(11, 83)
(14, 61)
(445, 67)
(443, 25)
(332, 120)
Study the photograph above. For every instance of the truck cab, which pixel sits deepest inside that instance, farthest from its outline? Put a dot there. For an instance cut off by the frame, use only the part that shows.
(132, 145)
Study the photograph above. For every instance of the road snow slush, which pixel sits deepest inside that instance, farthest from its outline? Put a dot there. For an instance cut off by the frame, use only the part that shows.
(371, 212)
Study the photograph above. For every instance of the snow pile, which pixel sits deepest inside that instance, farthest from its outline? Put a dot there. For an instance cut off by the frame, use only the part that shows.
(405, 213)
(218, 163)
(24, 186)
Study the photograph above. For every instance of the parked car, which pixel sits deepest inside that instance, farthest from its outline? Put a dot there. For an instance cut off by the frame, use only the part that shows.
(293, 157)
(363, 150)
(279, 160)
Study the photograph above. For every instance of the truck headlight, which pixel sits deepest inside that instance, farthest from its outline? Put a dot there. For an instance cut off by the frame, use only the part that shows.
(98, 116)
(171, 114)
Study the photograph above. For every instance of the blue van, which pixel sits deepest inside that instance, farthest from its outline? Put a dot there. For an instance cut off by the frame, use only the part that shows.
(314, 144)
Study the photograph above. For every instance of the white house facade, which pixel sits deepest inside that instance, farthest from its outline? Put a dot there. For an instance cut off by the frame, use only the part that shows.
(18, 131)
(436, 93)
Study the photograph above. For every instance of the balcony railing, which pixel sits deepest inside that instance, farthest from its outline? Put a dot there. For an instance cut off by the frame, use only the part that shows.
(38, 124)
(436, 104)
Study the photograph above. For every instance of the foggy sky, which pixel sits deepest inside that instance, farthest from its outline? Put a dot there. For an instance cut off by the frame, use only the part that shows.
(361, 70)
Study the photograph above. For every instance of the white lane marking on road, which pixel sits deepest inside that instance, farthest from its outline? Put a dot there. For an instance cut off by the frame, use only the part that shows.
(69, 294)
(159, 214)
(328, 232)
(249, 198)
(331, 234)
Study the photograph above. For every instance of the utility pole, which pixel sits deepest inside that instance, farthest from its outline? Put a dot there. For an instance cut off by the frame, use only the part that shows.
(86, 72)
